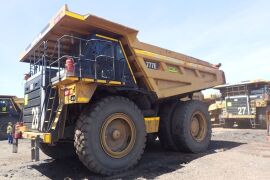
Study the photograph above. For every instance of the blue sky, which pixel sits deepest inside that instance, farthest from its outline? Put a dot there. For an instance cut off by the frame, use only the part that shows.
(235, 33)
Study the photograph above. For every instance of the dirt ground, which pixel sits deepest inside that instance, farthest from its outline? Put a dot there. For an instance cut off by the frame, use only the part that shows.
(233, 154)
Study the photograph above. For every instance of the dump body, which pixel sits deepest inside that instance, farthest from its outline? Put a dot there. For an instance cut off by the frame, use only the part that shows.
(248, 100)
(162, 71)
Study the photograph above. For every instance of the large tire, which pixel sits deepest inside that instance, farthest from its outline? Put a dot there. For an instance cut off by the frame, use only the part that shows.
(60, 150)
(191, 128)
(165, 127)
(3, 130)
(94, 140)
(244, 124)
(228, 123)
(263, 125)
(151, 138)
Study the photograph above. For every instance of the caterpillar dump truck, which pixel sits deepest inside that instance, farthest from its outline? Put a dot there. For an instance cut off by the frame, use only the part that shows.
(245, 103)
(215, 107)
(93, 84)
(10, 110)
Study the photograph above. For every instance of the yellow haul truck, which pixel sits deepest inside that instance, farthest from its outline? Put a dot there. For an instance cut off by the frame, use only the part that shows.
(93, 84)
(10, 111)
(245, 103)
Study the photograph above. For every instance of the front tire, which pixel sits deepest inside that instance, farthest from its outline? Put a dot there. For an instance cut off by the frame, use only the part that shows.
(110, 137)
(191, 128)
(228, 123)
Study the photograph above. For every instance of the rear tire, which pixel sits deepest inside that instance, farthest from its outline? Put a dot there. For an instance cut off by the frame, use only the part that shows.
(165, 127)
(191, 127)
(60, 150)
(244, 124)
(151, 138)
(228, 124)
(110, 137)
(263, 125)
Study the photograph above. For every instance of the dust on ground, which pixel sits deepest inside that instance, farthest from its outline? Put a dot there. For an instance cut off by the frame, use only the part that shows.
(233, 154)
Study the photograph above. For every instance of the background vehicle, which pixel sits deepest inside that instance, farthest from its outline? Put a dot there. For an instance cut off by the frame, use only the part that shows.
(94, 84)
(10, 109)
(245, 103)
(215, 105)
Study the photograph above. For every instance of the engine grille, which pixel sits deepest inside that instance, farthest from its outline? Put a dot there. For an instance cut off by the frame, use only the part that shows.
(237, 105)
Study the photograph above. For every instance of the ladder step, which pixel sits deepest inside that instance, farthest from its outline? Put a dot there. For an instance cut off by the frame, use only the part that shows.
(52, 98)
(49, 109)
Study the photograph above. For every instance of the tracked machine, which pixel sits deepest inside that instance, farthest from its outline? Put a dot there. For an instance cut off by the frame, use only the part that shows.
(94, 90)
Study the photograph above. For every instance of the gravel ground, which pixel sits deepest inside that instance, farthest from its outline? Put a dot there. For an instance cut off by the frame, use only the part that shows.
(233, 154)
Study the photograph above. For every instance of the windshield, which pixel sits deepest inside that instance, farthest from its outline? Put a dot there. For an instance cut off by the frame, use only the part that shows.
(260, 90)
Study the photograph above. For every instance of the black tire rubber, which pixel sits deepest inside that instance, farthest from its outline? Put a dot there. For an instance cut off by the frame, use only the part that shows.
(87, 136)
(244, 124)
(228, 124)
(165, 127)
(263, 125)
(3, 131)
(262, 121)
(181, 122)
(60, 150)
(151, 138)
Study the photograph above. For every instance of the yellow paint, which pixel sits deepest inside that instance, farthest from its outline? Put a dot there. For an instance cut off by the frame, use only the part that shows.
(244, 117)
(115, 82)
(45, 137)
(75, 15)
(170, 59)
(260, 103)
(151, 124)
(88, 80)
(83, 99)
(151, 118)
(26, 99)
(80, 92)
(127, 62)
(101, 81)
(23, 128)
(106, 37)
(71, 78)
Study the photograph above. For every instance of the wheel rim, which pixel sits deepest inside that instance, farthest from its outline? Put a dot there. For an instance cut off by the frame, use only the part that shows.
(118, 135)
(198, 126)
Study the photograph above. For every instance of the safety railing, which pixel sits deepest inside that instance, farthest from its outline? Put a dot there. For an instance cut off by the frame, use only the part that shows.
(86, 59)
(88, 55)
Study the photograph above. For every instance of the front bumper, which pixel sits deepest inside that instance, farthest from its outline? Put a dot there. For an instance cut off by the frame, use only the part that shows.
(43, 137)
(231, 116)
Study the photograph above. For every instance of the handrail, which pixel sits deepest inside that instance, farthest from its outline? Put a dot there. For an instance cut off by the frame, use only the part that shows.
(54, 61)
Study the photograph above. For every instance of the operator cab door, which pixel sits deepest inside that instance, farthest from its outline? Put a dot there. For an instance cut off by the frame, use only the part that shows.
(104, 59)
